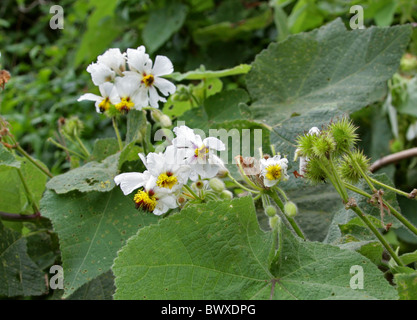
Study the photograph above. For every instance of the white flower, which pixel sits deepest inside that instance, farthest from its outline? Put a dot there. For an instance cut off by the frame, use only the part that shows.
(150, 77)
(314, 130)
(100, 73)
(128, 94)
(149, 197)
(274, 170)
(108, 94)
(198, 153)
(168, 169)
(113, 59)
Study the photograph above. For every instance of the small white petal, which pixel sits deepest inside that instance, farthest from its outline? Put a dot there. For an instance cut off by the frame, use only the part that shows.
(166, 87)
(214, 143)
(130, 181)
(162, 66)
(90, 97)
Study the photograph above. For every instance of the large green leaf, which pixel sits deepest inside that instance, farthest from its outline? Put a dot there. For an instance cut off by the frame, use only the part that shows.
(163, 23)
(14, 199)
(19, 275)
(218, 251)
(91, 228)
(406, 285)
(93, 176)
(312, 77)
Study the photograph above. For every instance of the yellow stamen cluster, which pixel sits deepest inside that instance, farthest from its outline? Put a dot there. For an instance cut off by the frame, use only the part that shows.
(148, 80)
(273, 172)
(145, 201)
(201, 152)
(104, 105)
(125, 104)
(166, 180)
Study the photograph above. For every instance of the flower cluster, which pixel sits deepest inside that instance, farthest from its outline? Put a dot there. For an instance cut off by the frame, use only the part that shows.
(129, 80)
(188, 158)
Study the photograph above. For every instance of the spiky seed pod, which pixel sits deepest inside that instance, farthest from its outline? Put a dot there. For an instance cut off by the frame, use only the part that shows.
(348, 170)
(323, 146)
(344, 134)
(314, 172)
(305, 145)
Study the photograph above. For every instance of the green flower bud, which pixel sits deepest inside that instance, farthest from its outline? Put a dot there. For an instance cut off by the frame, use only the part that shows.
(217, 185)
(165, 121)
(344, 134)
(198, 185)
(73, 126)
(226, 194)
(348, 170)
(290, 209)
(270, 211)
(408, 62)
(274, 222)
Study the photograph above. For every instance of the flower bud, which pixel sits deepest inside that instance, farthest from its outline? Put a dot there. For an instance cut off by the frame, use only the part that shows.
(226, 194)
(165, 121)
(73, 127)
(274, 222)
(217, 185)
(290, 209)
(408, 62)
(270, 211)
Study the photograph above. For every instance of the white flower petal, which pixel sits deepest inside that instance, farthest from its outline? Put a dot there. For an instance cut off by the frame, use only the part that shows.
(90, 97)
(130, 181)
(100, 73)
(214, 143)
(153, 97)
(162, 66)
(166, 87)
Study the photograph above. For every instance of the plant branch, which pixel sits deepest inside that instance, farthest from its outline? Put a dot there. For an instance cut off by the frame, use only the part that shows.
(393, 158)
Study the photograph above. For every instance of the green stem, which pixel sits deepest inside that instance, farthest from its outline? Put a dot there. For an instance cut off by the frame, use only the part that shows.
(116, 130)
(339, 181)
(281, 192)
(245, 177)
(405, 194)
(44, 170)
(291, 220)
(191, 191)
(27, 191)
(66, 149)
(394, 212)
(239, 184)
(83, 148)
(362, 216)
